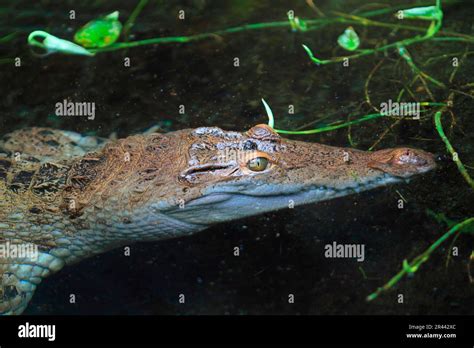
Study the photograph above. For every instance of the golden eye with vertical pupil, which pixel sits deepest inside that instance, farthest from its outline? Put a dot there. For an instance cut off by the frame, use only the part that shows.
(257, 164)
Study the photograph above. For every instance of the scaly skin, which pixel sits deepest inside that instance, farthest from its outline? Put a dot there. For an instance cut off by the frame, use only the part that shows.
(74, 197)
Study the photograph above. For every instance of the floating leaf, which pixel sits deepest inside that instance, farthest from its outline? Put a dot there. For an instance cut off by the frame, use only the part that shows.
(54, 44)
(349, 40)
(429, 13)
(101, 32)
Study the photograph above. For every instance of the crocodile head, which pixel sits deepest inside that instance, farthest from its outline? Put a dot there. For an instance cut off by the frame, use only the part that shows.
(230, 175)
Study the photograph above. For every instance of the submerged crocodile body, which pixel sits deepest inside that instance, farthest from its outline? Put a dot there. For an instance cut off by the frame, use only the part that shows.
(72, 197)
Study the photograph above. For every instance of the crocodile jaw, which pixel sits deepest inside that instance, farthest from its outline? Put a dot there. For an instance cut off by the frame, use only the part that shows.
(219, 206)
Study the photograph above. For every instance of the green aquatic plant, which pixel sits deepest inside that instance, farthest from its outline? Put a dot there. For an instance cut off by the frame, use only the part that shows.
(432, 30)
(271, 120)
(349, 40)
(53, 44)
(335, 125)
(407, 57)
(454, 154)
(3, 40)
(442, 218)
(100, 32)
(131, 20)
(8, 37)
(294, 23)
(429, 13)
(414, 265)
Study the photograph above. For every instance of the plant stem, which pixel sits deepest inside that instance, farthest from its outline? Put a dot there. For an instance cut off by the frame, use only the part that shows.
(131, 20)
(330, 128)
(452, 151)
(420, 259)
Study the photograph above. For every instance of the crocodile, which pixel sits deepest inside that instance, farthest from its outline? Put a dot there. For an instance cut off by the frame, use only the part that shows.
(67, 197)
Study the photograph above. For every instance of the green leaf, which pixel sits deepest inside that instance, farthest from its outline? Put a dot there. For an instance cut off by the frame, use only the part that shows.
(271, 120)
(114, 16)
(349, 40)
(429, 13)
(54, 44)
(100, 32)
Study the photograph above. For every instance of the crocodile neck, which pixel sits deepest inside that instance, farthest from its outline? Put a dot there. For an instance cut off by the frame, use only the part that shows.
(83, 205)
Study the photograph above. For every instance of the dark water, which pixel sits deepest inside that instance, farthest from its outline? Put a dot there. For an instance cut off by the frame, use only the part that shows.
(281, 252)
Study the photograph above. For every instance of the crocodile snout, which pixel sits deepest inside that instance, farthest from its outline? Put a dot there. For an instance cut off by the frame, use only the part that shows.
(403, 162)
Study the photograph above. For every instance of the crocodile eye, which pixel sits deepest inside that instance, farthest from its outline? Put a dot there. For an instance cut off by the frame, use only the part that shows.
(257, 164)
